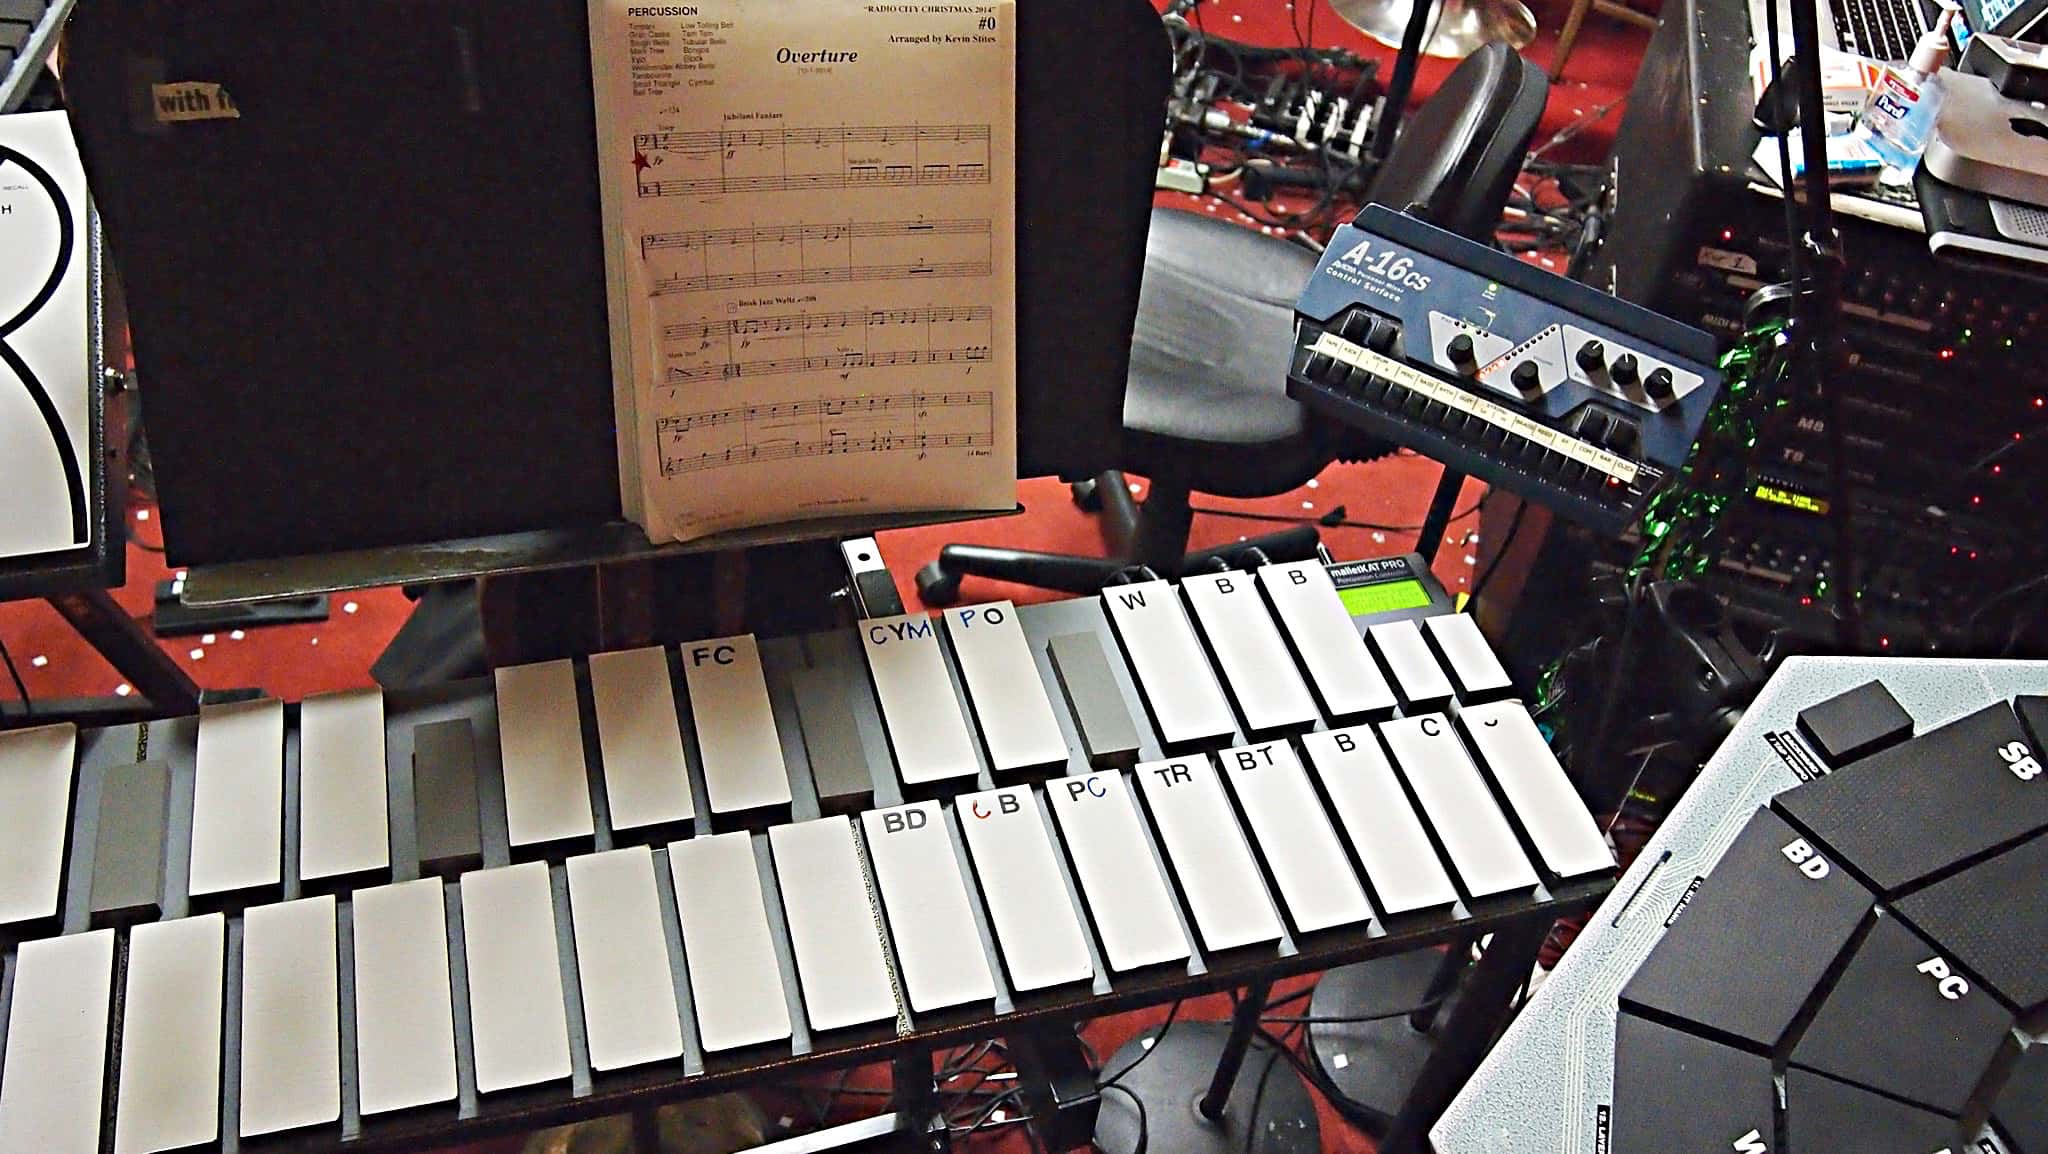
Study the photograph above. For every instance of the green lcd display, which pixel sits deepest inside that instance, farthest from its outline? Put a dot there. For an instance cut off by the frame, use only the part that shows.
(1385, 597)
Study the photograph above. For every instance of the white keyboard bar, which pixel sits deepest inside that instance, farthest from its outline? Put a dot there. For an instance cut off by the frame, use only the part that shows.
(540, 735)
(1389, 839)
(1460, 808)
(238, 798)
(1008, 695)
(736, 736)
(1295, 836)
(291, 1017)
(57, 1045)
(938, 949)
(405, 1010)
(735, 983)
(1217, 873)
(1173, 674)
(646, 780)
(344, 820)
(517, 1026)
(1472, 662)
(926, 732)
(1345, 676)
(1036, 928)
(629, 999)
(1417, 676)
(1545, 804)
(35, 810)
(1127, 899)
(834, 928)
(169, 1095)
(1255, 662)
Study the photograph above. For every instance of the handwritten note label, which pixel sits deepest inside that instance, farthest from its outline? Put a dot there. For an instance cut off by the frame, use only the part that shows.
(192, 100)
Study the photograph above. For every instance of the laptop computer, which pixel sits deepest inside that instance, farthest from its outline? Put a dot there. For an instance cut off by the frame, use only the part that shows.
(1883, 30)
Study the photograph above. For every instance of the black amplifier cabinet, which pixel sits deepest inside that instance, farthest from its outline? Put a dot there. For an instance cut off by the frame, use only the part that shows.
(1945, 394)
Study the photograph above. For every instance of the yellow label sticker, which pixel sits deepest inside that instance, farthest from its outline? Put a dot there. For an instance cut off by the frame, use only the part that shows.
(192, 100)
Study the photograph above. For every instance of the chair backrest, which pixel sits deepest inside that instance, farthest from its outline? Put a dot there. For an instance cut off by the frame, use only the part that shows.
(1457, 156)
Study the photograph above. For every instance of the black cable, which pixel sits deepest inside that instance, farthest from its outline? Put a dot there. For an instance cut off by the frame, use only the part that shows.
(1251, 1116)
(27, 707)
(1499, 555)
(1171, 1014)
(1596, 751)
(1143, 1126)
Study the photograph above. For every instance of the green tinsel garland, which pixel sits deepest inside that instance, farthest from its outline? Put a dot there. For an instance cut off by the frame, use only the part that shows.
(1679, 524)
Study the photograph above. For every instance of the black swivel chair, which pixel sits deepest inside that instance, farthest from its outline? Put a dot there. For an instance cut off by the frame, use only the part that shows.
(1206, 407)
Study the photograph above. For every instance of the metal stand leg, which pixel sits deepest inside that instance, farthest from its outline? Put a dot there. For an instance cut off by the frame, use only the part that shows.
(131, 651)
(1156, 1106)
(646, 1132)
(1438, 520)
(1242, 1022)
(1462, 1042)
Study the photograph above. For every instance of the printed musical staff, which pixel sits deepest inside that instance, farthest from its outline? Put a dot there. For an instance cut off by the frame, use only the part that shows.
(717, 162)
(904, 422)
(778, 366)
(711, 260)
(798, 233)
(831, 342)
(788, 276)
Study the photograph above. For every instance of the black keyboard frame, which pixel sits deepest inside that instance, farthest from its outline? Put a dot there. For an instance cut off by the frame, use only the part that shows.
(1520, 923)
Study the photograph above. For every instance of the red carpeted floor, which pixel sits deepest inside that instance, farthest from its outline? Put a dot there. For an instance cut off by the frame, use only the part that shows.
(1383, 500)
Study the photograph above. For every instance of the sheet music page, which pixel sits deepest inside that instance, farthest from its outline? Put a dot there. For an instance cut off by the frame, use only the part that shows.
(812, 204)
(46, 500)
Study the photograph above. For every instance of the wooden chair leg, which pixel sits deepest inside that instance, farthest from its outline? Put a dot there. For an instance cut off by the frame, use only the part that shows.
(1568, 36)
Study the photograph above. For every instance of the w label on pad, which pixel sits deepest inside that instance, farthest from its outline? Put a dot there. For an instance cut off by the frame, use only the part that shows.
(344, 819)
(1481, 844)
(170, 1036)
(629, 999)
(1036, 927)
(35, 810)
(1217, 874)
(291, 1017)
(1173, 674)
(518, 1027)
(1344, 675)
(1247, 645)
(646, 781)
(238, 798)
(405, 1017)
(1390, 841)
(735, 724)
(1006, 690)
(926, 732)
(833, 927)
(1127, 899)
(56, 1058)
(735, 983)
(540, 734)
(937, 946)
(1295, 836)
(1544, 801)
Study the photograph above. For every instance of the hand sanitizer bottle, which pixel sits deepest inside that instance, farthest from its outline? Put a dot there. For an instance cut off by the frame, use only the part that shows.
(1899, 115)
